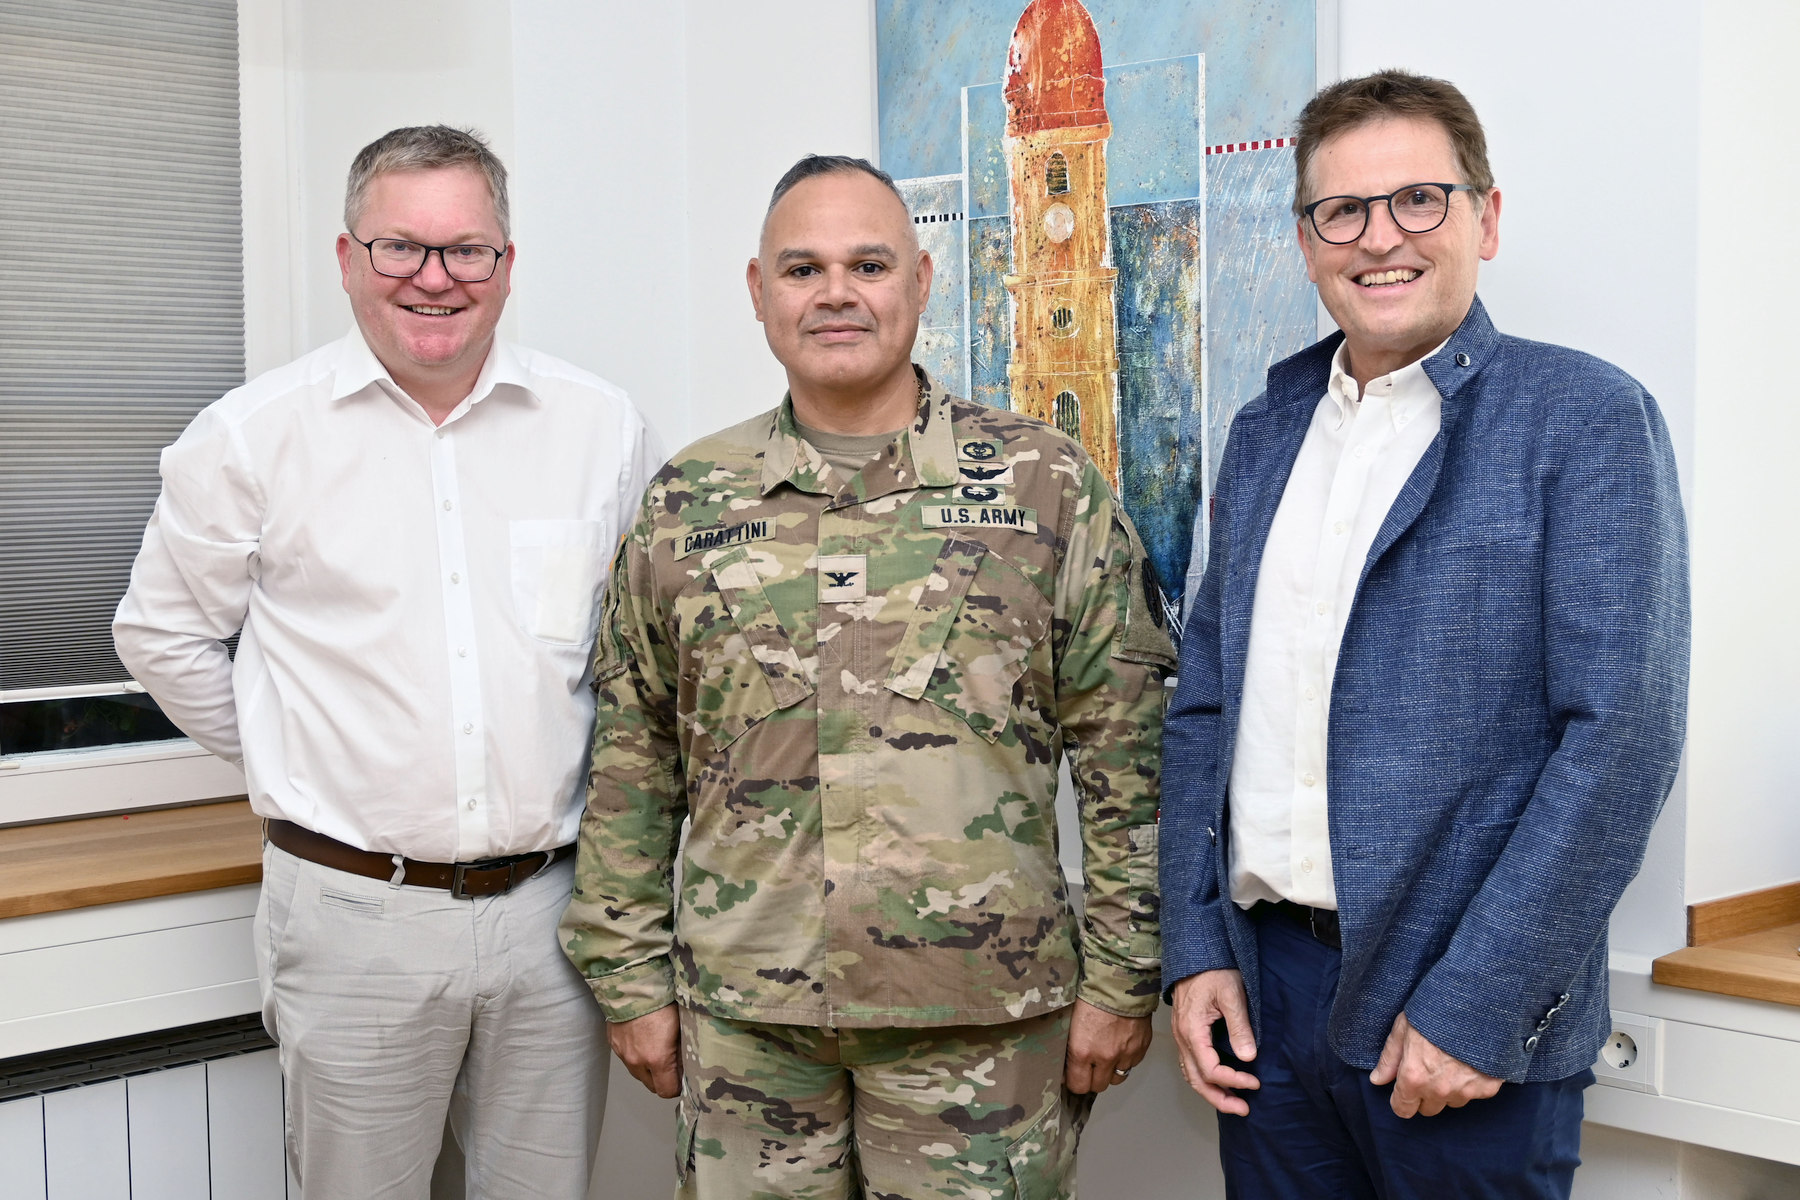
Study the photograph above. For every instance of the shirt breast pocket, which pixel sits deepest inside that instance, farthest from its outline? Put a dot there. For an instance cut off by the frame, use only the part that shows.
(558, 573)
(746, 665)
(969, 640)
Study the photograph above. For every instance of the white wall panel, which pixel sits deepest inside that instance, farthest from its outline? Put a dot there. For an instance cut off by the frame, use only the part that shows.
(167, 1111)
(600, 196)
(86, 1137)
(22, 1149)
(1744, 831)
(247, 1127)
(113, 987)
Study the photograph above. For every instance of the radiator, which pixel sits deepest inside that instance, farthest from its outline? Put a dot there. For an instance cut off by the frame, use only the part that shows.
(185, 1114)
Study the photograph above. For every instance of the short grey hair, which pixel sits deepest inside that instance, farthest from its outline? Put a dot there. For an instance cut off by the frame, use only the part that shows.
(422, 148)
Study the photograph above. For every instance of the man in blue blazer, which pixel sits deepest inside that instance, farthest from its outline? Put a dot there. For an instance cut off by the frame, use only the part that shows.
(1432, 695)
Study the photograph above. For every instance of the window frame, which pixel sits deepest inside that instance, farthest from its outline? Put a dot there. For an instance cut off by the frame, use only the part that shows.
(68, 784)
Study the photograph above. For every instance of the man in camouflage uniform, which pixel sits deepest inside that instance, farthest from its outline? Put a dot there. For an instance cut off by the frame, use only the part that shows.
(850, 640)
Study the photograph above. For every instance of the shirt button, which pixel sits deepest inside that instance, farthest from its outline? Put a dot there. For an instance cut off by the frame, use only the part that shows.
(1531, 1043)
(462, 652)
(1311, 694)
(468, 727)
(1340, 529)
(1307, 779)
(1362, 452)
(1462, 360)
(455, 578)
(1306, 865)
(446, 506)
(471, 804)
(1320, 608)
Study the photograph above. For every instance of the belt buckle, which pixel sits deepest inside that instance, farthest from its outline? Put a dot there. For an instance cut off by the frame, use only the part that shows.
(459, 871)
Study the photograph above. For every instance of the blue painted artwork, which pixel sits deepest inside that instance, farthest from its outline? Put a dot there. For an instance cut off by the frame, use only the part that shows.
(1104, 187)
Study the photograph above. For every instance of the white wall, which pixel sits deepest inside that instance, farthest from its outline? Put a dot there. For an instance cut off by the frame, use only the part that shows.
(1744, 827)
(649, 137)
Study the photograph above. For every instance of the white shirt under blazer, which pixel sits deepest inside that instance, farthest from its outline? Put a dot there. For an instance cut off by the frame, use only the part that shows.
(1358, 453)
(417, 602)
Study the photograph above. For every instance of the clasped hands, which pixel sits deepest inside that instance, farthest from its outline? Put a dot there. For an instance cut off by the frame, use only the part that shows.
(1103, 1048)
(1426, 1080)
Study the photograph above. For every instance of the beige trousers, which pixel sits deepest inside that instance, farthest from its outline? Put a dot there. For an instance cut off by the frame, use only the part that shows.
(395, 1005)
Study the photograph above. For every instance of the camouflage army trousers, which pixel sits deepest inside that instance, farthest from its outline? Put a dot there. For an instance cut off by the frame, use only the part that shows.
(968, 1111)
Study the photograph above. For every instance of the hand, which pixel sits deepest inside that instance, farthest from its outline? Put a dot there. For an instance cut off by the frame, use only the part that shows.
(1102, 1048)
(650, 1048)
(1200, 1001)
(1425, 1079)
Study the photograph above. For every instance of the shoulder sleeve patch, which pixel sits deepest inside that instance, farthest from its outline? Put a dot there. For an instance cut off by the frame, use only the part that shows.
(1144, 636)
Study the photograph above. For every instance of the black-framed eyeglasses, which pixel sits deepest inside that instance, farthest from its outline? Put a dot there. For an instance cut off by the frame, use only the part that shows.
(1416, 208)
(400, 259)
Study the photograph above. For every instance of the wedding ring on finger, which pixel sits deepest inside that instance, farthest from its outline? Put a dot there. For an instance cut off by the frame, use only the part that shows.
(1121, 1074)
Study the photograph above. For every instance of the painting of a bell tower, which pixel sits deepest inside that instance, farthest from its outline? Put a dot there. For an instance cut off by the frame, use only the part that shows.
(1109, 219)
(1065, 363)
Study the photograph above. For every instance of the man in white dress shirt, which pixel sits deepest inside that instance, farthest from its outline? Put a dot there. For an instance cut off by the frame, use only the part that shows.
(410, 527)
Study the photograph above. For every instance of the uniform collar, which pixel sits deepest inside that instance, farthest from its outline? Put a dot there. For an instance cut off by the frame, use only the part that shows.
(924, 455)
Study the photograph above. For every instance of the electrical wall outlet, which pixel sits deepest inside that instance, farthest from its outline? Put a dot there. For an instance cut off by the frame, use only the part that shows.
(1631, 1057)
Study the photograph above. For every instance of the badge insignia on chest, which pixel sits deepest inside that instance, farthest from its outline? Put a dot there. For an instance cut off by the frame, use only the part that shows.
(979, 494)
(996, 474)
(978, 451)
(843, 577)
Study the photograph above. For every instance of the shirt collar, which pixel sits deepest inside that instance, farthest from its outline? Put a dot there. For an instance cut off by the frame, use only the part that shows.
(1403, 392)
(924, 455)
(502, 373)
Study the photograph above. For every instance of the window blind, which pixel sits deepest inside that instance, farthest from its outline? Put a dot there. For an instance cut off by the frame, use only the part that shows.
(121, 299)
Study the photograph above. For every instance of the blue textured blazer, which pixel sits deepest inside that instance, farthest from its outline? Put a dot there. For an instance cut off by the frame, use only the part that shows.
(1506, 717)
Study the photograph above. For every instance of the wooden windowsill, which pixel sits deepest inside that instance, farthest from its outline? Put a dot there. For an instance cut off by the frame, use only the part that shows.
(1745, 945)
(103, 860)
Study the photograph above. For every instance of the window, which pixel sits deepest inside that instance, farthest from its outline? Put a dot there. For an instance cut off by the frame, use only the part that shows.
(1062, 321)
(123, 315)
(1056, 175)
(1068, 414)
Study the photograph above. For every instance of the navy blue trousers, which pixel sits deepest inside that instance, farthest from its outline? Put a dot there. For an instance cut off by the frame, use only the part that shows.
(1319, 1130)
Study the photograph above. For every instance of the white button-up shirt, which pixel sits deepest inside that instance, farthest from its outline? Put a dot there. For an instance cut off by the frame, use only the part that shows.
(417, 602)
(1357, 455)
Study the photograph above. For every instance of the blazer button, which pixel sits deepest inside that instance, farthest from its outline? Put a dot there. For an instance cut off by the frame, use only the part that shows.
(1531, 1043)
(1462, 360)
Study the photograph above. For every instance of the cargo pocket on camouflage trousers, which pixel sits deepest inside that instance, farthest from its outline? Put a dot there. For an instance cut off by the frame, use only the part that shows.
(970, 638)
(748, 667)
(1042, 1159)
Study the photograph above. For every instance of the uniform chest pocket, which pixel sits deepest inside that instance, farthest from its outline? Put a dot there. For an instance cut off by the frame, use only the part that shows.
(970, 637)
(746, 666)
(558, 570)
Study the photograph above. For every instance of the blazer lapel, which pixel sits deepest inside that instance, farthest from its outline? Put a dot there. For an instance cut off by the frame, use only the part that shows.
(1266, 436)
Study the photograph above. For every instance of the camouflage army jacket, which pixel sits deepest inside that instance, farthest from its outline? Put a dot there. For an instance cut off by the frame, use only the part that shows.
(860, 692)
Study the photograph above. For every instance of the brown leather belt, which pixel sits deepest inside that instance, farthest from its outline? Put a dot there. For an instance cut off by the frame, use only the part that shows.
(466, 881)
